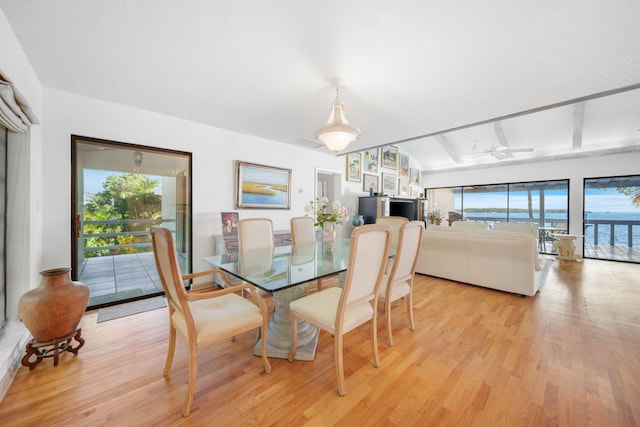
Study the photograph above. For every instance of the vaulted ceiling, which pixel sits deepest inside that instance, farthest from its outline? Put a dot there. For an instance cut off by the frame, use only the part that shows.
(411, 70)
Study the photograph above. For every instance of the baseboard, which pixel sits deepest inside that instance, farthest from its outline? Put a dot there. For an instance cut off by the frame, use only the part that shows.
(13, 340)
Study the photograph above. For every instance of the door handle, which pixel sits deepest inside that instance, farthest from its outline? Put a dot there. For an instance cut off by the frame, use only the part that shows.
(77, 226)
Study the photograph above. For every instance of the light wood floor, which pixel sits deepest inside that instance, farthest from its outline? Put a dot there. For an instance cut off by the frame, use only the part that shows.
(569, 356)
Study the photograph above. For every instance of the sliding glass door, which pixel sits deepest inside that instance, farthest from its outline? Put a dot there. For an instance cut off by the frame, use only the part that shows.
(612, 218)
(119, 192)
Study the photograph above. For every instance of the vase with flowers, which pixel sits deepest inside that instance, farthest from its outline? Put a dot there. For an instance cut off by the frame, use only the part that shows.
(327, 215)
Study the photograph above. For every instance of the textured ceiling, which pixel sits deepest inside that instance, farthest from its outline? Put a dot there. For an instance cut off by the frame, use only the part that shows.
(411, 68)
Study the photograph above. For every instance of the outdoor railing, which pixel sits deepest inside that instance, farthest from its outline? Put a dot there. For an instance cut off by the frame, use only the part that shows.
(121, 222)
(619, 230)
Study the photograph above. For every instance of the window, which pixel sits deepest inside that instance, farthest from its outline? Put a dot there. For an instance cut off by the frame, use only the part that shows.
(544, 203)
(612, 218)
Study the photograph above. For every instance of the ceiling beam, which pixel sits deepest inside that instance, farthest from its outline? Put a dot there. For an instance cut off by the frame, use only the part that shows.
(448, 146)
(578, 125)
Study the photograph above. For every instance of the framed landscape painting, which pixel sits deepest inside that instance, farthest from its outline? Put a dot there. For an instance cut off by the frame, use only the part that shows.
(354, 167)
(403, 186)
(389, 181)
(262, 187)
(404, 165)
(369, 182)
(370, 161)
(414, 176)
(390, 157)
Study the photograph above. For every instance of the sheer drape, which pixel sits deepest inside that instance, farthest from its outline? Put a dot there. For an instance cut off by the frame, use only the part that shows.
(17, 117)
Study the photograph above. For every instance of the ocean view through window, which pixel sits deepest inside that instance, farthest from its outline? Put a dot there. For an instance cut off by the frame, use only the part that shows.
(612, 218)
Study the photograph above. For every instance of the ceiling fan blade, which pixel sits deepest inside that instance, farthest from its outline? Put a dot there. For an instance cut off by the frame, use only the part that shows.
(522, 150)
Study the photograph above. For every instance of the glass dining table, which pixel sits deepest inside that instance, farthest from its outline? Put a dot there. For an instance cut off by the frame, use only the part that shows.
(286, 272)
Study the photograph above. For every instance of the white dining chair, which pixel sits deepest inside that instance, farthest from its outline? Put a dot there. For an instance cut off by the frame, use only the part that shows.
(302, 230)
(399, 282)
(340, 310)
(203, 318)
(255, 233)
(395, 222)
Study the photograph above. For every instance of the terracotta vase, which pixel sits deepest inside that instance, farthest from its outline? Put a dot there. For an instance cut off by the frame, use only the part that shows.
(53, 309)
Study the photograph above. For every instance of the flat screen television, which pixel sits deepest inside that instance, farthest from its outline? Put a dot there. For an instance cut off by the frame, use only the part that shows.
(405, 208)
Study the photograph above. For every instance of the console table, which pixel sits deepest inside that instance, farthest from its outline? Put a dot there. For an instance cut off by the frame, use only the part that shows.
(230, 245)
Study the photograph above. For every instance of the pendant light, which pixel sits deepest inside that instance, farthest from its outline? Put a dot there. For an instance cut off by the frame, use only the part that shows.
(337, 133)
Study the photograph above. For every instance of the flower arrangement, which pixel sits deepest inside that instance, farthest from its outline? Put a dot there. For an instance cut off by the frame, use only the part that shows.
(318, 209)
(435, 217)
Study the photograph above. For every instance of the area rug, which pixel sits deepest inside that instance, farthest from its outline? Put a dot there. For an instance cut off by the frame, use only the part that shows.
(123, 310)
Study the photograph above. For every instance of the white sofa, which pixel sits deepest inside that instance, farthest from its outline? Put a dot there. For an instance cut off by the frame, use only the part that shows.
(503, 260)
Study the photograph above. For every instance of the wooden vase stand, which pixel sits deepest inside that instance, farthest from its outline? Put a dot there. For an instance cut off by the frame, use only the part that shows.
(52, 348)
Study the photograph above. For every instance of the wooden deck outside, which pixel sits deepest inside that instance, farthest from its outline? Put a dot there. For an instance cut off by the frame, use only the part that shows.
(612, 252)
(119, 278)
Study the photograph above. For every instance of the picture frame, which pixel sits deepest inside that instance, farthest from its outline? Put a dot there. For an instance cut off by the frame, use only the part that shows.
(229, 224)
(415, 191)
(404, 165)
(262, 187)
(370, 160)
(390, 157)
(389, 183)
(354, 167)
(403, 186)
(414, 176)
(369, 181)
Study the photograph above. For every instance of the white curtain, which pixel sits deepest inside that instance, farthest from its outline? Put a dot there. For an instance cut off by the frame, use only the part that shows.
(15, 113)
(17, 117)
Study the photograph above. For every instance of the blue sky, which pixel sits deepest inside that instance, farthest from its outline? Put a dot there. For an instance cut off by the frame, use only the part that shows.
(93, 180)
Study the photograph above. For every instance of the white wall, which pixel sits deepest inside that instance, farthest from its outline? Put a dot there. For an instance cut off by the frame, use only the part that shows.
(575, 170)
(214, 152)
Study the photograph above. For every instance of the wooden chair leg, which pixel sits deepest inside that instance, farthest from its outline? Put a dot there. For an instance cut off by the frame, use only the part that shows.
(191, 382)
(387, 309)
(171, 350)
(342, 388)
(374, 338)
(267, 365)
(294, 335)
(412, 324)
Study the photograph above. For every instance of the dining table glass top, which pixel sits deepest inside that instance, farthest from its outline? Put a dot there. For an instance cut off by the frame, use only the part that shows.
(281, 267)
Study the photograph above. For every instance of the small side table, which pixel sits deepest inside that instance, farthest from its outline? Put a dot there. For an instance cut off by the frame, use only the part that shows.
(565, 246)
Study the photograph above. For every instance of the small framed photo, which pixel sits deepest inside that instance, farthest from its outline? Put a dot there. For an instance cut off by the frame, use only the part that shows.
(229, 224)
(370, 160)
(369, 182)
(262, 187)
(403, 186)
(404, 165)
(389, 181)
(354, 167)
(390, 157)
(414, 176)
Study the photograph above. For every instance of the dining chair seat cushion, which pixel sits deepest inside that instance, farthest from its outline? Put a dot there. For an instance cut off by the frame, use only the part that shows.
(321, 308)
(218, 317)
(398, 290)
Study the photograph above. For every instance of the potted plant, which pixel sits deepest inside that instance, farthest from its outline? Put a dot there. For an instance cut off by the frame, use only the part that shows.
(435, 217)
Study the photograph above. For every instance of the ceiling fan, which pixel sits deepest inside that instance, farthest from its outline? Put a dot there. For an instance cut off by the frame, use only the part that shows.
(501, 151)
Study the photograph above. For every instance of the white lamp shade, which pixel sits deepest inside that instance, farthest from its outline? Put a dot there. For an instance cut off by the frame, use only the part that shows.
(337, 133)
